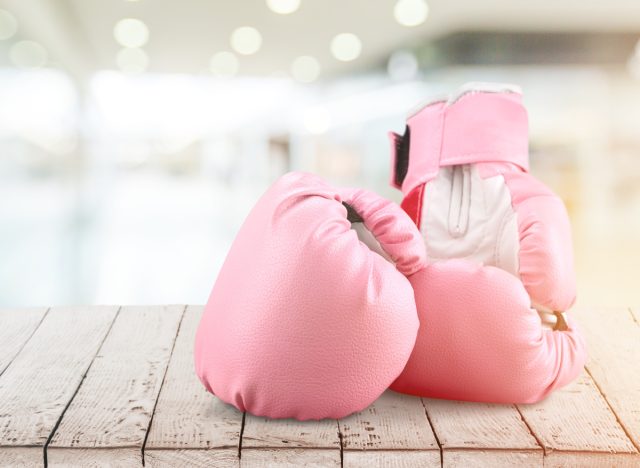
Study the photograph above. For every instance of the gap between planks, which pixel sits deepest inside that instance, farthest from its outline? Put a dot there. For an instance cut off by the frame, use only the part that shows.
(187, 419)
(626, 349)
(613, 411)
(38, 384)
(433, 430)
(164, 376)
(75, 392)
(142, 338)
(443, 451)
(14, 340)
(551, 453)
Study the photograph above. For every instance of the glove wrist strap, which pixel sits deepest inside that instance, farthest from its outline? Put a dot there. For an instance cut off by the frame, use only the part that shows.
(477, 127)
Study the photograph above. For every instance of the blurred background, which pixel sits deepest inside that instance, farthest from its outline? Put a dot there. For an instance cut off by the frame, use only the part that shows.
(136, 135)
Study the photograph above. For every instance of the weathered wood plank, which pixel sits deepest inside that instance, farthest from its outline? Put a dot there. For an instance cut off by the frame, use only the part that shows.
(45, 356)
(38, 385)
(287, 442)
(591, 460)
(393, 422)
(16, 326)
(486, 458)
(170, 458)
(187, 416)
(98, 458)
(289, 458)
(494, 426)
(495, 434)
(113, 406)
(391, 458)
(289, 433)
(613, 336)
(576, 422)
(22, 457)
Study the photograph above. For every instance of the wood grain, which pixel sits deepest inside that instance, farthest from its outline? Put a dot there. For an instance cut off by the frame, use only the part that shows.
(22, 457)
(170, 458)
(591, 460)
(36, 388)
(289, 458)
(487, 458)
(494, 434)
(17, 325)
(289, 433)
(98, 458)
(114, 405)
(134, 380)
(393, 421)
(287, 442)
(576, 419)
(391, 458)
(187, 416)
(613, 337)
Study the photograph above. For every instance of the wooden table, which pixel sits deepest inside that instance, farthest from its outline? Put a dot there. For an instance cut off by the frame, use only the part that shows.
(115, 386)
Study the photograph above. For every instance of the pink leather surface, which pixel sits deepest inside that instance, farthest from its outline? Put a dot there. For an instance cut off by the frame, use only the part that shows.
(304, 320)
(546, 249)
(479, 339)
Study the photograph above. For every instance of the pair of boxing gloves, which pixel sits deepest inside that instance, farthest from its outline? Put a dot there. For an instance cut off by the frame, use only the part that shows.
(330, 296)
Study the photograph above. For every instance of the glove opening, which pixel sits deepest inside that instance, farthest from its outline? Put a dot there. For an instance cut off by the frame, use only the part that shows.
(365, 236)
(400, 157)
(352, 214)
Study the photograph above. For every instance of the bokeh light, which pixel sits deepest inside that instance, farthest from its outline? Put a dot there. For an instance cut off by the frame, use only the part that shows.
(305, 69)
(246, 40)
(28, 54)
(402, 65)
(346, 47)
(283, 7)
(8, 25)
(411, 12)
(131, 32)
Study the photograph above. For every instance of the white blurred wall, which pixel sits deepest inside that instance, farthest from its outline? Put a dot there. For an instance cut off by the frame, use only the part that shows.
(131, 189)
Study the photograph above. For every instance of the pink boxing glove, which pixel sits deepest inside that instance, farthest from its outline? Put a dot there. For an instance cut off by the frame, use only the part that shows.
(304, 320)
(498, 241)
